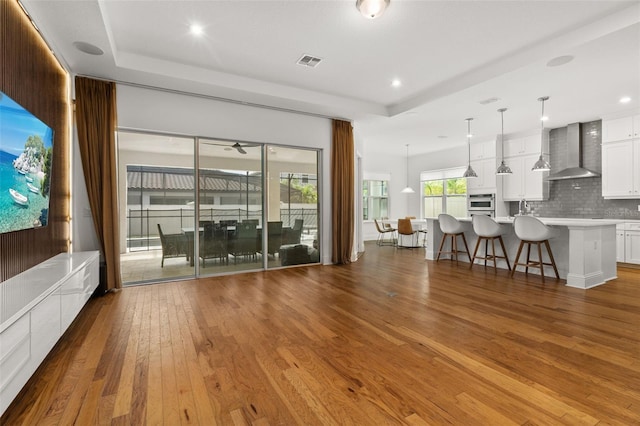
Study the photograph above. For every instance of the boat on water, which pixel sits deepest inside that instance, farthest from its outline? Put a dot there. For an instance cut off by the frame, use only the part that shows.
(28, 178)
(22, 172)
(33, 188)
(18, 198)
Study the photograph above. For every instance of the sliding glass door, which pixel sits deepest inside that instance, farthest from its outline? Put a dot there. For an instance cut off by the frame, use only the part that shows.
(230, 199)
(157, 194)
(202, 206)
(293, 212)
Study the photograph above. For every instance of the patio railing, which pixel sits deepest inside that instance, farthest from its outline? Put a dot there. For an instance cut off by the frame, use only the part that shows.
(142, 224)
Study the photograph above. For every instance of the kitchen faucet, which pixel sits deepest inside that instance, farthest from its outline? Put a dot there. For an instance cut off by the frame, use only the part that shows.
(522, 207)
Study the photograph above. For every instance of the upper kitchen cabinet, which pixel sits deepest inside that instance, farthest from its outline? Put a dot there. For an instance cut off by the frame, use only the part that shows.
(524, 182)
(621, 157)
(485, 183)
(524, 145)
(483, 161)
(621, 128)
(482, 150)
(520, 154)
(621, 169)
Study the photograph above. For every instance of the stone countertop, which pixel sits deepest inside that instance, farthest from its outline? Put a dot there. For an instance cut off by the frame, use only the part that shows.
(556, 221)
(567, 221)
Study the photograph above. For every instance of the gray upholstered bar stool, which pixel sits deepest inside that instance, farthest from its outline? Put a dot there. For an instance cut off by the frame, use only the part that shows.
(531, 230)
(451, 228)
(487, 230)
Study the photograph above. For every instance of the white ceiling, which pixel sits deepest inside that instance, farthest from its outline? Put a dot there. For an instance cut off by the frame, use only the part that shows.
(449, 55)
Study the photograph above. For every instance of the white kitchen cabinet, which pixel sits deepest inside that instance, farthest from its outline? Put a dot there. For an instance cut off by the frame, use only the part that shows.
(482, 150)
(523, 182)
(632, 243)
(621, 128)
(620, 243)
(524, 145)
(621, 169)
(485, 183)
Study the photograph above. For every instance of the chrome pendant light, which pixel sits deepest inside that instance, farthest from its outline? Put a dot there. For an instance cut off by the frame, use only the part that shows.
(503, 169)
(469, 173)
(542, 165)
(407, 189)
(372, 9)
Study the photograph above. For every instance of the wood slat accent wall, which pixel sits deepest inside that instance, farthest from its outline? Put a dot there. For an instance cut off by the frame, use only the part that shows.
(31, 75)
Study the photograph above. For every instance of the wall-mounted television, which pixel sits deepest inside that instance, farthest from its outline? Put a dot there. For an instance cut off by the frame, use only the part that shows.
(26, 151)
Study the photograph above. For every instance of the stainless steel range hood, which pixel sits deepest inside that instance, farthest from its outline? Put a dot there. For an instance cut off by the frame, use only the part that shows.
(574, 168)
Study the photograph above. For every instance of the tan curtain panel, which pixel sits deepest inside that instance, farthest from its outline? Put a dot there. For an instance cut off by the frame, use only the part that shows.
(342, 170)
(96, 121)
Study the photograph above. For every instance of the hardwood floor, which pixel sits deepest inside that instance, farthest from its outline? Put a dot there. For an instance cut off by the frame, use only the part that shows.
(390, 339)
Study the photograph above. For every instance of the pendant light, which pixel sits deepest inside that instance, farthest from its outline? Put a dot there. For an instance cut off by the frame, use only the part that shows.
(408, 189)
(542, 165)
(372, 9)
(469, 173)
(503, 169)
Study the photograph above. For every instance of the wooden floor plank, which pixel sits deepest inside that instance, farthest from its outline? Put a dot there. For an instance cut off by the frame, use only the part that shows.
(390, 339)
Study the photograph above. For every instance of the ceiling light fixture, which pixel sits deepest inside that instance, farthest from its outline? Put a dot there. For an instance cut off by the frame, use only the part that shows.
(542, 165)
(625, 100)
(503, 169)
(396, 83)
(196, 29)
(372, 9)
(407, 189)
(469, 173)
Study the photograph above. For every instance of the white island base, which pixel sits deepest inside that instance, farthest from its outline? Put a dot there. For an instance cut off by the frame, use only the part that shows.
(584, 249)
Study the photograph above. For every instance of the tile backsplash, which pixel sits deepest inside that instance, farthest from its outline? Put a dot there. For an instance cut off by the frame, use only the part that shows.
(580, 198)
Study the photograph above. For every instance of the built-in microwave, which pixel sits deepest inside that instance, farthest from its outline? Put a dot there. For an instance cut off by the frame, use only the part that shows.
(478, 202)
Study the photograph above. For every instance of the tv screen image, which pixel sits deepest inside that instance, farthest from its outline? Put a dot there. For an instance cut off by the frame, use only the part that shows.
(26, 150)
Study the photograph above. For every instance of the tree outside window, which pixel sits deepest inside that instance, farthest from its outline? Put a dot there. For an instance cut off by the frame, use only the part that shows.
(445, 196)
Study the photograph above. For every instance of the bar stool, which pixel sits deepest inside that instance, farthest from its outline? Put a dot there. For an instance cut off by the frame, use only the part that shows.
(531, 230)
(488, 229)
(451, 227)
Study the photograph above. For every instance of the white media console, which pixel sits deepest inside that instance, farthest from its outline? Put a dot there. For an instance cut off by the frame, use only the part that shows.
(36, 308)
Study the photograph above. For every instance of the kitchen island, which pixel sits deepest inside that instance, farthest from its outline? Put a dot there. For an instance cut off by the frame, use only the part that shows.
(584, 249)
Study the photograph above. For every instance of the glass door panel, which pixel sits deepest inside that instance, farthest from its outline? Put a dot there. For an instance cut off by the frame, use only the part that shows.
(157, 193)
(292, 217)
(230, 197)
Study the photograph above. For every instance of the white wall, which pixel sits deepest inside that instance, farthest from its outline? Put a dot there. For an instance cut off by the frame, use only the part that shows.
(83, 234)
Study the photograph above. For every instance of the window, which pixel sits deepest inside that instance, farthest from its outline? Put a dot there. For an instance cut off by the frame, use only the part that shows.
(445, 196)
(375, 199)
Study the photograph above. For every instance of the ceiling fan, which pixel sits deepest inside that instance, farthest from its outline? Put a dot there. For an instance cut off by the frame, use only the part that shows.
(238, 146)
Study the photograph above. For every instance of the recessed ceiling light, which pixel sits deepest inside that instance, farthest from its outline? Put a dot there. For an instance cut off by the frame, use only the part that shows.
(396, 83)
(560, 60)
(196, 30)
(544, 118)
(88, 48)
(625, 100)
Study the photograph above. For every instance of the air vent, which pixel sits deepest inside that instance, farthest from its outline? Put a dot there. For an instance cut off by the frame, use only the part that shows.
(488, 101)
(309, 61)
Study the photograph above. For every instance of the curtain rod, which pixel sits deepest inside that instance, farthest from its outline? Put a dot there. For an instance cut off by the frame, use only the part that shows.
(215, 98)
